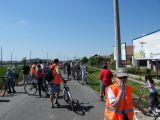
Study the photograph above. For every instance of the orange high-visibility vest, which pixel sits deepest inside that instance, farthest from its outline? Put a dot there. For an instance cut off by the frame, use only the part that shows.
(33, 70)
(57, 78)
(126, 105)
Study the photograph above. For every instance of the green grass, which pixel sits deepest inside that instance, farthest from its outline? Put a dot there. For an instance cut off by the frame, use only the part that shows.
(93, 77)
(2, 72)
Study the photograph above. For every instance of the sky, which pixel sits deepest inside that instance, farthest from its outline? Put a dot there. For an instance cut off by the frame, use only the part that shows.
(69, 29)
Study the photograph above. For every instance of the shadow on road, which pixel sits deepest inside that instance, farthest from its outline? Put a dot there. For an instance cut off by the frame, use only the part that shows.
(4, 100)
(82, 108)
(13, 94)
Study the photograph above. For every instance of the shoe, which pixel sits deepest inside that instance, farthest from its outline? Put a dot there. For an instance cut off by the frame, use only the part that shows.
(9, 92)
(150, 110)
(157, 110)
(52, 106)
(57, 103)
(100, 99)
(14, 91)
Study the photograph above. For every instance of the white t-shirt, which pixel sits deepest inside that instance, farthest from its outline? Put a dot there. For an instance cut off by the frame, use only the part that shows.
(111, 96)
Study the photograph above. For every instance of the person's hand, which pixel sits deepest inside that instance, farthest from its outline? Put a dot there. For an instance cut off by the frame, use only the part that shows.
(120, 86)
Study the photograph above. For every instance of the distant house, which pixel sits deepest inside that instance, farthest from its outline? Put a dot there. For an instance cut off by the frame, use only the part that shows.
(129, 54)
(129, 57)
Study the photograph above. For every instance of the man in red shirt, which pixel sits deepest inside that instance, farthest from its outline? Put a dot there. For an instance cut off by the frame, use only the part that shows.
(106, 79)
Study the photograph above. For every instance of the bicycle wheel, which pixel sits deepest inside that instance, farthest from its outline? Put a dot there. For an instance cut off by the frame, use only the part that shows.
(138, 108)
(157, 117)
(70, 100)
(30, 88)
(3, 88)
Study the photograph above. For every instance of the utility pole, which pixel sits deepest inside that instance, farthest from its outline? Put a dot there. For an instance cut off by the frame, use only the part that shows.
(11, 57)
(117, 35)
(47, 56)
(1, 56)
(30, 57)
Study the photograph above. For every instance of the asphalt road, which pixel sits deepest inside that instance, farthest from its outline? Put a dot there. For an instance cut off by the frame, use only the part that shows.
(20, 106)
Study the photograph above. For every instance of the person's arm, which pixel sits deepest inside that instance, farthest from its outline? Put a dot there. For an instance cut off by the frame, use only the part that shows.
(119, 96)
(148, 84)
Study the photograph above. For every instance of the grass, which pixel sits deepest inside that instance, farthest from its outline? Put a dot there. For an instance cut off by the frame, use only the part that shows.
(4, 69)
(93, 77)
(2, 72)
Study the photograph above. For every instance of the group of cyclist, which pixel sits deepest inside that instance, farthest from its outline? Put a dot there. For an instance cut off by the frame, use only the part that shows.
(39, 74)
(118, 95)
(76, 71)
(11, 76)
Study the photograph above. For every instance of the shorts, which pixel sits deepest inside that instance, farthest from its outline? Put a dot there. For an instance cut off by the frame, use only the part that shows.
(52, 88)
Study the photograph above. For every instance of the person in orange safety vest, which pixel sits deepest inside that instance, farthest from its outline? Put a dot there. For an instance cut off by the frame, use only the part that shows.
(54, 85)
(119, 105)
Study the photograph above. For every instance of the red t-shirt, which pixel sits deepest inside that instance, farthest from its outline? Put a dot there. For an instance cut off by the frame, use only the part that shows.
(106, 77)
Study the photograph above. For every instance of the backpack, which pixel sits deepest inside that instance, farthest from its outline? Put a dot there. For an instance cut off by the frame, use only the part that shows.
(50, 75)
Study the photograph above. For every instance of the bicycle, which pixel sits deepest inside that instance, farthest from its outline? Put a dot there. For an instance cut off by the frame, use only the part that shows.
(139, 107)
(32, 87)
(3, 86)
(67, 95)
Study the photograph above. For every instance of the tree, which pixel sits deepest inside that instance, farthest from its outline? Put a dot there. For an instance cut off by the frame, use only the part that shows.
(84, 60)
(24, 60)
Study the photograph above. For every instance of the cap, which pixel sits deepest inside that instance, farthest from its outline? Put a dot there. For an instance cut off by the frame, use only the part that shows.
(121, 72)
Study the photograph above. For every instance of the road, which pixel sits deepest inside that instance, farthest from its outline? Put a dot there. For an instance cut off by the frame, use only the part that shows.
(20, 106)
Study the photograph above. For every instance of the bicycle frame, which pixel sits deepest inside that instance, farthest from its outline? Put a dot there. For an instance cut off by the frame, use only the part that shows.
(3, 86)
(67, 95)
(139, 106)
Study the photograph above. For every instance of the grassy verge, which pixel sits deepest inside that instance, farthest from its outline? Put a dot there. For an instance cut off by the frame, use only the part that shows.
(2, 72)
(93, 77)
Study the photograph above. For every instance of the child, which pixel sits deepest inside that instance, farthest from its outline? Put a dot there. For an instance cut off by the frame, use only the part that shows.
(153, 100)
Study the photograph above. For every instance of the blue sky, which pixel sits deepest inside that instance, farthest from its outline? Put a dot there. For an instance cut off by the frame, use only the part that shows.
(71, 28)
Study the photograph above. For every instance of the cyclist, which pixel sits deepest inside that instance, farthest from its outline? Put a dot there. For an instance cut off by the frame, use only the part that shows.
(33, 72)
(68, 70)
(83, 70)
(54, 85)
(10, 80)
(153, 100)
(40, 78)
(26, 71)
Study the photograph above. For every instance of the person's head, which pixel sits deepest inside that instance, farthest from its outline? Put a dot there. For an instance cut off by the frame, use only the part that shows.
(105, 67)
(40, 61)
(56, 61)
(121, 76)
(39, 66)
